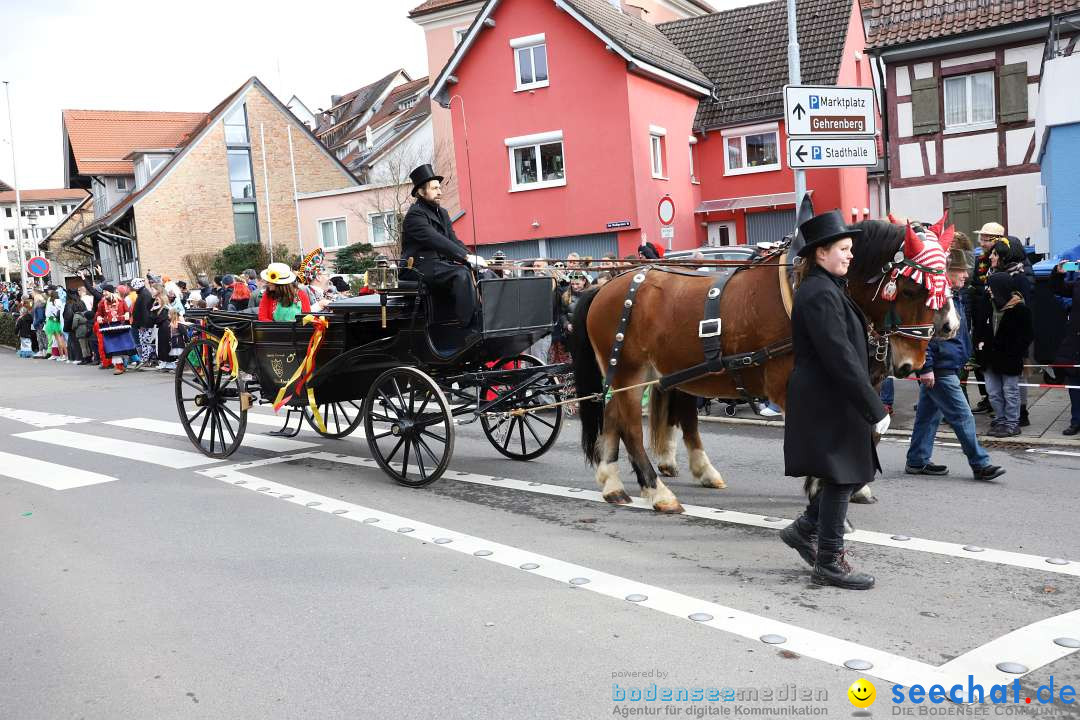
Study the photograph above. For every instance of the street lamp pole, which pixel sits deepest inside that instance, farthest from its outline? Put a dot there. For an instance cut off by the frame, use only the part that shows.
(15, 183)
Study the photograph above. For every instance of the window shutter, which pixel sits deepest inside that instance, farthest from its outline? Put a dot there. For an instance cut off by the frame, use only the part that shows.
(1013, 94)
(925, 106)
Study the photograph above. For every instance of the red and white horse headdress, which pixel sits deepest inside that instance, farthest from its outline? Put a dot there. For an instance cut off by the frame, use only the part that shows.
(923, 260)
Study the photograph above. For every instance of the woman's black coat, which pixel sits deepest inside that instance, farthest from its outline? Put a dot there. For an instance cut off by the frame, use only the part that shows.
(1068, 352)
(831, 405)
(1006, 350)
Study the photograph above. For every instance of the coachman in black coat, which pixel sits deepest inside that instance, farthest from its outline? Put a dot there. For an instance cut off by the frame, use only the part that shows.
(831, 403)
(440, 258)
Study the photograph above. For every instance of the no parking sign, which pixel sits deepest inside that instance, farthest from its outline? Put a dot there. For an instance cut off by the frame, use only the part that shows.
(37, 266)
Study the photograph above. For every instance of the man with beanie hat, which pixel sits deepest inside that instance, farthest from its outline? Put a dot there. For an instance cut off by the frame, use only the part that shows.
(940, 393)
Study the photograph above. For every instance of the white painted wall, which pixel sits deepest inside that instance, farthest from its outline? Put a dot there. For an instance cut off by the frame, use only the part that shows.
(1060, 104)
(924, 70)
(911, 160)
(1016, 145)
(903, 81)
(965, 59)
(1025, 218)
(975, 152)
(904, 127)
(931, 156)
(1031, 54)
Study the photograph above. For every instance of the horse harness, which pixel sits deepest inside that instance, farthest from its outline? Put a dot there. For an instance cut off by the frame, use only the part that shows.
(708, 331)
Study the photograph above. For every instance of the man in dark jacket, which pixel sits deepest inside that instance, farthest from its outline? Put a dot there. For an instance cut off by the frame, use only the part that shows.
(942, 396)
(1068, 352)
(428, 238)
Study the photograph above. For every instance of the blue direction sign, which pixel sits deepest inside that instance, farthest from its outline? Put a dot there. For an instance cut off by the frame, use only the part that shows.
(37, 266)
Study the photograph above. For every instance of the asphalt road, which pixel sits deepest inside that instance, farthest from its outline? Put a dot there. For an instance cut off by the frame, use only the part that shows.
(175, 586)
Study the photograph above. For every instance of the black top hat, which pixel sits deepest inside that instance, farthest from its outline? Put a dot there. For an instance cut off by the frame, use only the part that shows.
(823, 229)
(422, 175)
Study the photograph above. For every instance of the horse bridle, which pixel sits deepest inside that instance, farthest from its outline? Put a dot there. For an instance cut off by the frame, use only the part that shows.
(924, 331)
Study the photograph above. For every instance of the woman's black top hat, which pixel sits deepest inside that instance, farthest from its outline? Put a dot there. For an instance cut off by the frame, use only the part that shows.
(422, 175)
(823, 229)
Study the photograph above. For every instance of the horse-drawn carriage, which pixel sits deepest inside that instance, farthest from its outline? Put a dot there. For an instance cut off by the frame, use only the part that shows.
(389, 362)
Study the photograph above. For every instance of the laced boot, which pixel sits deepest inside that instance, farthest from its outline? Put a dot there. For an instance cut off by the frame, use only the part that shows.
(832, 568)
(800, 542)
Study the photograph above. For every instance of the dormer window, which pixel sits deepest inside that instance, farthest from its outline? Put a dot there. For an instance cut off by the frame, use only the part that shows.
(406, 104)
(530, 62)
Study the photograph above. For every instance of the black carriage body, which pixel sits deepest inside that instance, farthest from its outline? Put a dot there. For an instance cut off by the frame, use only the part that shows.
(356, 348)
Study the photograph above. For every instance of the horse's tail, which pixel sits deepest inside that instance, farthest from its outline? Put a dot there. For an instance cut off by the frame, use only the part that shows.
(660, 420)
(587, 377)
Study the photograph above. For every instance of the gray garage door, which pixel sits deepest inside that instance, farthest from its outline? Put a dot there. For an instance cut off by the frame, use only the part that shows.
(519, 250)
(769, 226)
(594, 246)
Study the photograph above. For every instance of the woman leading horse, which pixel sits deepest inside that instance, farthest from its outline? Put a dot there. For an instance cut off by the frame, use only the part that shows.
(888, 280)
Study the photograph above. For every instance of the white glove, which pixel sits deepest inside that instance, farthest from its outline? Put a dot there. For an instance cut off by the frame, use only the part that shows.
(476, 261)
(883, 424)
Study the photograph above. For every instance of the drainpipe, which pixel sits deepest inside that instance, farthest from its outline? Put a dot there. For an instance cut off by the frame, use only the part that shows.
(884, 129)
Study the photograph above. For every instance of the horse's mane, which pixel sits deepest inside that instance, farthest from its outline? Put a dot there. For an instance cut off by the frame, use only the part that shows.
(874, 249)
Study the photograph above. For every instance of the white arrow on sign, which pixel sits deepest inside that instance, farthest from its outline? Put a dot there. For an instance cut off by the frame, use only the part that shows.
(831, 152)
(829, 110)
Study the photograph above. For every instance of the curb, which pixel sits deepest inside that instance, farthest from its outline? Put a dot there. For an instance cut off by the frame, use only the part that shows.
(984, 439)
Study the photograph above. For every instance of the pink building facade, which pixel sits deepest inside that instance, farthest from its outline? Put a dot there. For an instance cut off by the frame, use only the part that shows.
(572, 119)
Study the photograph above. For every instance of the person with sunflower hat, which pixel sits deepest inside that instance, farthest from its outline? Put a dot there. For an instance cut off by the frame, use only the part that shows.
(282, 300)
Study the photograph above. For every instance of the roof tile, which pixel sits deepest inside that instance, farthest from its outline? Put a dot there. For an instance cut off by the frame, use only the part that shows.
(100, 139)
(900, 22)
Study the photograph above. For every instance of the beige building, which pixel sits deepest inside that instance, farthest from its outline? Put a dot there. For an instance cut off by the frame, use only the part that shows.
(232, 176)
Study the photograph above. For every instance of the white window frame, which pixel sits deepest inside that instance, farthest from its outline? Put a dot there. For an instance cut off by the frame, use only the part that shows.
(529, 42)
(459, 35)
(968, 125)
(371, 228)
(535, 141)
(318, 230)
(657, 152)
(123, 179)
(742, 133)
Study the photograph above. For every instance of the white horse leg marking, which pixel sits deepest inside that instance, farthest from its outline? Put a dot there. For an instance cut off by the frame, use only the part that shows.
(703, 470)
(607, 475)
(662, 499)
(863, 493)
(667, 465)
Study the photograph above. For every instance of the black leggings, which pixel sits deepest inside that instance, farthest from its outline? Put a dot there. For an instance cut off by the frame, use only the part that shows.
(825, 515)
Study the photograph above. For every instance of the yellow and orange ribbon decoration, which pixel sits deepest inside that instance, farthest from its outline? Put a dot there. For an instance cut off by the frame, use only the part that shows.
(303, 373)
(226, 352)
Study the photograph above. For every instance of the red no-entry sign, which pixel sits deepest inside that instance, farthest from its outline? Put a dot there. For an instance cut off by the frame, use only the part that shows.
(666, 210)
(37, 266)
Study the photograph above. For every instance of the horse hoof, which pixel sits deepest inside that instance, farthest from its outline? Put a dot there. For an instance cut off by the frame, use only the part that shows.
(668, 470)
(618, 498)
(673, 507)
(863, 499)
(716, 483)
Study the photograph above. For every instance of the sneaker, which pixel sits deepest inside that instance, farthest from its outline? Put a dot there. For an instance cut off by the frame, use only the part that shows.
(768, 412)
(982, 407)
(118, 370)
(927, 469)
(167, 367)
(987, 472)
(1000, 431)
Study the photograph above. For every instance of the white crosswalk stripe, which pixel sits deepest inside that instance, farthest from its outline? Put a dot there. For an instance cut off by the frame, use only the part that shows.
(251, 439)
(47, 474)
(40, 419)
(123, 449)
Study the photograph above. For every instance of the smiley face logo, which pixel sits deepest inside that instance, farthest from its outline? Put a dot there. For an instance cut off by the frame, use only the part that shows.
(862, 693)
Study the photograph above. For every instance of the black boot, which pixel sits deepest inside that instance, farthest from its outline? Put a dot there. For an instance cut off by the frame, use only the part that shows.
(800, 542)
(833, 569)
(1024, 419)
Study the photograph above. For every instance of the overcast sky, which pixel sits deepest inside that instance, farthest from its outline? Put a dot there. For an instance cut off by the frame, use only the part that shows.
(186, 56)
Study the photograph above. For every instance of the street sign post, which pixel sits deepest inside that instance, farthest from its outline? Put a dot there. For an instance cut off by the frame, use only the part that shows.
(829, 111)
(666, 210)
(831, 152)
(37, 266)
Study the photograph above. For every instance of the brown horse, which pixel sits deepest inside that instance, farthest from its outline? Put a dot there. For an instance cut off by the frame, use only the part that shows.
(662, 338)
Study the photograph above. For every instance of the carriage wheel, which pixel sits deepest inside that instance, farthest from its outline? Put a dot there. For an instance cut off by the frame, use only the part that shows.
(410, 428)
(340, 418)
(528, 436)
(210, 401)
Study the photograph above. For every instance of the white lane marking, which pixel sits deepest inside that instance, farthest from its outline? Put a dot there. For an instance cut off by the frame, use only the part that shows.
(255, 440)
(809, 643)
(1040, 451)
(40, 419)
(141, 452)
(47, 474)
(988, 555)
(1032, 646)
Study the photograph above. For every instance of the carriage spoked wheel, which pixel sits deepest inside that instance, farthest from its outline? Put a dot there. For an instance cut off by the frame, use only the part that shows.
(531, 434)
(340, 418)
(410, 428)
(211, 402)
